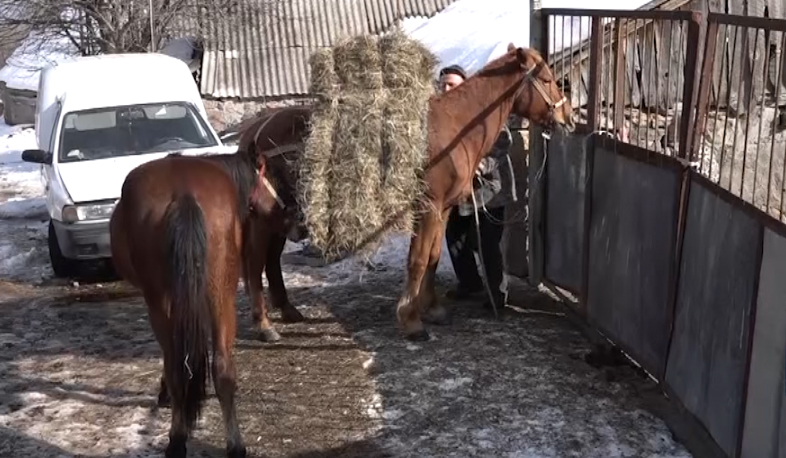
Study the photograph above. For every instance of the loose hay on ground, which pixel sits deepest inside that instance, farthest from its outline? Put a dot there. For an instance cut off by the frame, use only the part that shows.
(364, 179)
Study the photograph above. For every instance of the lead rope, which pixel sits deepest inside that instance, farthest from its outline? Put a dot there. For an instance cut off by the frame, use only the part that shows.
(480, 257)
(538, 176)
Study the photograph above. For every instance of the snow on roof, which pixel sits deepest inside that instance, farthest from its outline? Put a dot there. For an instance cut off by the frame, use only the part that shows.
(471, 33)
(23, 67)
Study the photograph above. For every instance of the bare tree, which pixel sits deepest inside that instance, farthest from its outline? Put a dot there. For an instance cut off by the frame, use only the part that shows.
(92, 27)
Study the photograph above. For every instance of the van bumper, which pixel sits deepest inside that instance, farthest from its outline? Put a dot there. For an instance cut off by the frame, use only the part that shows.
(84, 240)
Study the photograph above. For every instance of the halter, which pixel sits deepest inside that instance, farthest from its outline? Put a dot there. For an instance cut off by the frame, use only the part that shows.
(538, 85)
(276, 151)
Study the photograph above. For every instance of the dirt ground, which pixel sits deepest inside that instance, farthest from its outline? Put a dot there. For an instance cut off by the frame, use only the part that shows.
(79, 373)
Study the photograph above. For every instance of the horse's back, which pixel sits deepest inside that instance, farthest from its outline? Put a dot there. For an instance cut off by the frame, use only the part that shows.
(149, 192)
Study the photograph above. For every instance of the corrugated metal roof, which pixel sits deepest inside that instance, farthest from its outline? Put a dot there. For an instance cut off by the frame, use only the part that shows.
(258, 52)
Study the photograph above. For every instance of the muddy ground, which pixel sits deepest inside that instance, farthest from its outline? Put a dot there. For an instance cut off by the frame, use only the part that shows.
(79, 373)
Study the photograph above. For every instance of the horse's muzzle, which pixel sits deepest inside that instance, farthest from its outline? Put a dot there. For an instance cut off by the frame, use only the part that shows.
(297, 233)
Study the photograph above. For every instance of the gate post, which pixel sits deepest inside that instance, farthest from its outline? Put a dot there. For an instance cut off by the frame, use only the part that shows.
(536, 173)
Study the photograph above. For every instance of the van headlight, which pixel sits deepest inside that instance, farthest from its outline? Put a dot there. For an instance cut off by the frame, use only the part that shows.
(88, 212)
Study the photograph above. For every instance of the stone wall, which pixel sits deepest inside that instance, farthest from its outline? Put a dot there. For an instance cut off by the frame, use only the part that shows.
(227, 114)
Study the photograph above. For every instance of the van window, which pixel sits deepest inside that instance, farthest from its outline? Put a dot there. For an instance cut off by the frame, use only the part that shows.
(131, 130)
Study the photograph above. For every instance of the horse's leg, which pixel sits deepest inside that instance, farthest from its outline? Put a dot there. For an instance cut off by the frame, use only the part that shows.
(408, 308)
(434, 311)
(255, 254)
(275, 280)
(224, 371)
(159, 321)
(121, 258)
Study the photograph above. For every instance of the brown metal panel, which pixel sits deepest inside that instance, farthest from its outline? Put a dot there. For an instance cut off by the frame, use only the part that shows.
(631, 245)
(566, 184)
(708, 359)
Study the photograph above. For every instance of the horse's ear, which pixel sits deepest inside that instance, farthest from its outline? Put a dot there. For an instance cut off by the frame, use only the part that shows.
(261, 164)
(511, 46)
(521, 55)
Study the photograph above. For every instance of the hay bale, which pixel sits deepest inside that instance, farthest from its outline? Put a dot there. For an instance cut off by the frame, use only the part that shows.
(324, 81)
(363, 166)
(358, 64)
(355, 175)
(406, 63)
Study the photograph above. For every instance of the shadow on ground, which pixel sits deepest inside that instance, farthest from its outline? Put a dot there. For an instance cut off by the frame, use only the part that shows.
(82, 369)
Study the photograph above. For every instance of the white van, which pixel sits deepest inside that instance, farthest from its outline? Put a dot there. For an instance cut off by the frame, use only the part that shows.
(97, 118)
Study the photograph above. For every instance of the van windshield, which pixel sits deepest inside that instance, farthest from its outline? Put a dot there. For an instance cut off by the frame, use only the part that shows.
(131, 130)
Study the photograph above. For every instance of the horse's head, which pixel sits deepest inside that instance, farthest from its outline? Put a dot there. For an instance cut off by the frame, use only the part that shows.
(274, 196)
(538, 97)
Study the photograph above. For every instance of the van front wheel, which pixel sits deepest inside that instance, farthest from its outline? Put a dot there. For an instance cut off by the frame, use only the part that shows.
(62, 266)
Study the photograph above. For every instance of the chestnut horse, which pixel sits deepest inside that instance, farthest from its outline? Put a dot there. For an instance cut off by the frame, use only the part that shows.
(277, 136)
(176, 234)
(463, 125)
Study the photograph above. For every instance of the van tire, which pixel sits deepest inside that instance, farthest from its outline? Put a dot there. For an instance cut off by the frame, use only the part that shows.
(62, 266)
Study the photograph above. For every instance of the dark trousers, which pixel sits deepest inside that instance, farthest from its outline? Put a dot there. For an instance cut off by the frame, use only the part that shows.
(461, 238)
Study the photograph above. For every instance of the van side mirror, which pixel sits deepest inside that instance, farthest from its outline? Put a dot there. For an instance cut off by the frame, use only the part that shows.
(37, 156)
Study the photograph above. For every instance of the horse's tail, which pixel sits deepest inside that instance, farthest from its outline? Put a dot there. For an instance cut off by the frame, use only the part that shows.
(190, 313)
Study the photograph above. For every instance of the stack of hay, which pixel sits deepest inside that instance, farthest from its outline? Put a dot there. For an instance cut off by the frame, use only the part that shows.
(361, 174)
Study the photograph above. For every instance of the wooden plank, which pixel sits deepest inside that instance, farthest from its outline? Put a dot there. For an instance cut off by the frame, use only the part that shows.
(649, 76)
(619, 48)
(633, 94)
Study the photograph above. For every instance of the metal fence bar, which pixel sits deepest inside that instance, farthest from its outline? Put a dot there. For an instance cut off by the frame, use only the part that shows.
(705, 85)
(539, 33)
(596, 57)
(624, 14)
(690, 88)
(619, 74)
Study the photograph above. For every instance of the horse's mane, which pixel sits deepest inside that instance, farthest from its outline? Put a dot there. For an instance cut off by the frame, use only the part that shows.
(240, 170)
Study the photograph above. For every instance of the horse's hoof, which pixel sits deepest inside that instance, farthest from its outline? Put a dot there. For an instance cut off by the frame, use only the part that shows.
(437, 316)
(418, 336)
(291, 315)
(237, 451)
(176, 449)
(269, 335)
(164, 400)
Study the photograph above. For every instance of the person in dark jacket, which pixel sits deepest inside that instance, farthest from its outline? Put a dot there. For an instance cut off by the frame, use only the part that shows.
(491, 185)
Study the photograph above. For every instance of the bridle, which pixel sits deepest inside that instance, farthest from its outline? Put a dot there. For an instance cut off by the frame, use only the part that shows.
(276, 151)
(531, 77)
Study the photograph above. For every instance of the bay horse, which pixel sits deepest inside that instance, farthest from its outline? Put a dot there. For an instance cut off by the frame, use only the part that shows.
(463, 124)
(176, 234)
(278, 136)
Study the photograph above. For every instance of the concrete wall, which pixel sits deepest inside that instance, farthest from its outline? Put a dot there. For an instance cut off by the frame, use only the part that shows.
(18, 105)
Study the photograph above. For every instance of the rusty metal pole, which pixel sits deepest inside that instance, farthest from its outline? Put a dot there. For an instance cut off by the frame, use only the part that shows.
(538, 29)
